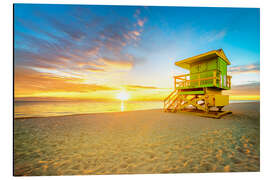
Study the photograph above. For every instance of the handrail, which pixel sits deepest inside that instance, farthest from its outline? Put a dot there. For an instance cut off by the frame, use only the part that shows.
(184, 81)
(201, 79)
(183, 75)
(168, 101)
(172, 103)
(171, 97)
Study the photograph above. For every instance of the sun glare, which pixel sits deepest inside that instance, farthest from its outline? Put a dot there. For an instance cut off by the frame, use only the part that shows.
(123, 95)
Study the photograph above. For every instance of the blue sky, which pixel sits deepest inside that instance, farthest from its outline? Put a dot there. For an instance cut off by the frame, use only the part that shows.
(107, 46)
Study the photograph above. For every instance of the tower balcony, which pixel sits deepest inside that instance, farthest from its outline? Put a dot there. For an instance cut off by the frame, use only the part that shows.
(213, 78)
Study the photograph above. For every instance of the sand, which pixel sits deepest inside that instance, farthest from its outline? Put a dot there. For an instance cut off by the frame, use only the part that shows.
(148, 141)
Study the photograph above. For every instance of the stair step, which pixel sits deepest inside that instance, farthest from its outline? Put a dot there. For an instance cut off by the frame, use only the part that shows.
(171, 102)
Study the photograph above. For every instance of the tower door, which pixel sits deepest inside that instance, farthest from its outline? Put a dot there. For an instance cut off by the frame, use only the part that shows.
(223, 71)
(224, 80)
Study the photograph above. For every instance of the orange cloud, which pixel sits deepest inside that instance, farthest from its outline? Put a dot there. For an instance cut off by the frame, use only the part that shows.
(29, 82)
(34, 85)
(132, 35)
(139, 87)
(250, 68)
(78, 51)
(106, 65)
(116, 64)
(91, 69)
(141, 22)
(91, 52)
(251, 89)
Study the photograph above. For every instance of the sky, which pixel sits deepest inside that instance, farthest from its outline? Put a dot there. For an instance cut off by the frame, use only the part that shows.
(94, 52)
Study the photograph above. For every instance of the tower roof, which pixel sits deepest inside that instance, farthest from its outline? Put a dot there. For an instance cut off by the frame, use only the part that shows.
(185, 63)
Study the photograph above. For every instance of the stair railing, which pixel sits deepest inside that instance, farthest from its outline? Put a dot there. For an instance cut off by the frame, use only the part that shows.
(170, 99)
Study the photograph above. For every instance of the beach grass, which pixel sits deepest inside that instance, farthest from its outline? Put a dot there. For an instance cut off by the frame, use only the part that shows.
(138, 142)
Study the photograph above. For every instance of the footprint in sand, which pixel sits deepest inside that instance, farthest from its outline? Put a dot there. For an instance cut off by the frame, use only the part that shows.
(227, 168)
(123, 165)
(236, 160)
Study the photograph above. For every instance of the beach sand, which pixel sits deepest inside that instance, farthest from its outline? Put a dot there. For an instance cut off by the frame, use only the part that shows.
(147, 141)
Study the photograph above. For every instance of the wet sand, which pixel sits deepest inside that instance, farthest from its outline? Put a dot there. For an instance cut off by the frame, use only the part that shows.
(148, 141)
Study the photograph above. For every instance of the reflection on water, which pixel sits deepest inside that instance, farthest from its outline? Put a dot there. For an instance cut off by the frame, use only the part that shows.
(122, 106)
(41, 108)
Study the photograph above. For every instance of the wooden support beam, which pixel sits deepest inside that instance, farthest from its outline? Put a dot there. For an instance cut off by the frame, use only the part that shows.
(215, 78)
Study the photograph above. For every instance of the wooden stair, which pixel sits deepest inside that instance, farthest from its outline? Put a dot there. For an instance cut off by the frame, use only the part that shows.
(171, 103)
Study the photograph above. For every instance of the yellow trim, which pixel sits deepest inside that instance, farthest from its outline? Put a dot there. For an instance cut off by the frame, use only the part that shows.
(211, 54)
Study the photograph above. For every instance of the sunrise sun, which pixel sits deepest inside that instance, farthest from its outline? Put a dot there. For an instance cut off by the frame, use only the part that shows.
(123, 95)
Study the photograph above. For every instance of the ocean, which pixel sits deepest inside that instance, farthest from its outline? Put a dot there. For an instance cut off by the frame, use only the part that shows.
(58, 108)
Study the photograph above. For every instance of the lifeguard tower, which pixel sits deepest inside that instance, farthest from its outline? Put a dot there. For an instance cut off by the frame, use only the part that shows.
(200, 91)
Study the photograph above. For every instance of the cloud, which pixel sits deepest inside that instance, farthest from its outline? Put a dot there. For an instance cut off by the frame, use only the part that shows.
(81, 42)
(107, 65)
(71, 28)
(116, 64)
(40, 60)
(252, 88)
(28, 82)
(132, 35)
(139, 87)
(141, 22)
(213, 35)
(93, 69)
(137, 13)
(71, 51)
(250, 68)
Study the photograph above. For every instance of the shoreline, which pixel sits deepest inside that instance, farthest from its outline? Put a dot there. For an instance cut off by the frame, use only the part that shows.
(77, 114)
(94, 113)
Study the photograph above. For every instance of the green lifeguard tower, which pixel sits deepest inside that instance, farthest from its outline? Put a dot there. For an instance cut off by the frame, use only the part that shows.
(202, 87)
